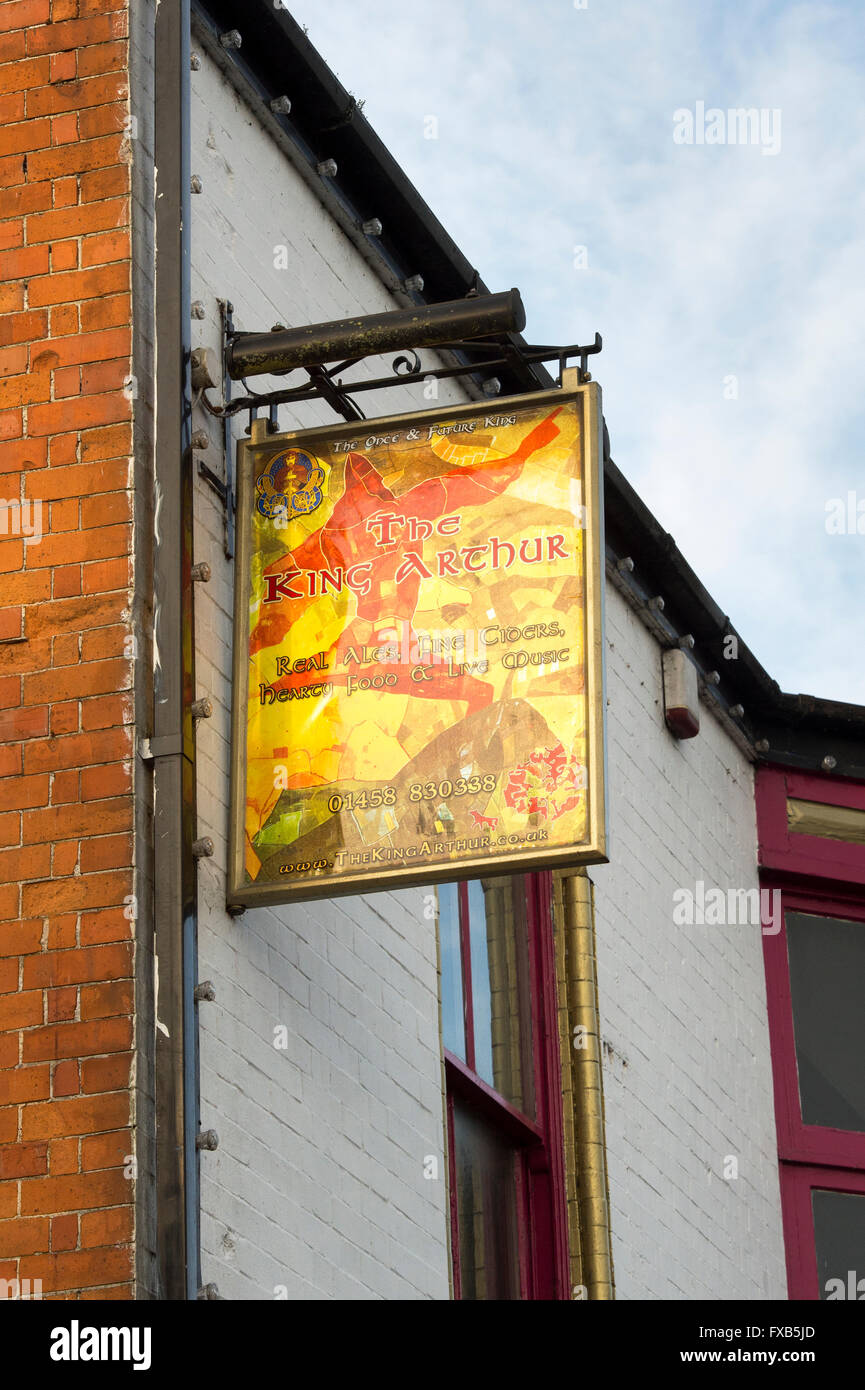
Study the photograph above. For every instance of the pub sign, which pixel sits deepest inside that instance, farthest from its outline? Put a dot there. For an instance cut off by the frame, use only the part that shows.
(418, 685)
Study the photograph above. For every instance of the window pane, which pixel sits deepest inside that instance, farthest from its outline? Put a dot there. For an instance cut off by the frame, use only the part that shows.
(453, 1014)
(839, 1233)
(501, 994)
(480, 983)
(827, 982)
(486, 1210)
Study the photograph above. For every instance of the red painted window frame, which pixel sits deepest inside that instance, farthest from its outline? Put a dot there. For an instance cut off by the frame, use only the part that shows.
(798, 1181)
(790, 853)
(818, 875)
(538, 1143)
(799, 1142)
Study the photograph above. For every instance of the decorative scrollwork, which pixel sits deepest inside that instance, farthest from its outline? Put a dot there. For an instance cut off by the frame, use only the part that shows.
(407, 366)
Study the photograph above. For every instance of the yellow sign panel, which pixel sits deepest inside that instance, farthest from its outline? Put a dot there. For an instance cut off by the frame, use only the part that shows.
(418, 660)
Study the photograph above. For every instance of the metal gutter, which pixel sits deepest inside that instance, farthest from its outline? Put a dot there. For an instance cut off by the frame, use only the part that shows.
(171, 746)
(142, 1082)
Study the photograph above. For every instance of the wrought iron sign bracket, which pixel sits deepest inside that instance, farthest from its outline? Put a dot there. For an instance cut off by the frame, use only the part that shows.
(328, 385)
(224, 487)
(478, 324)
(220, 487)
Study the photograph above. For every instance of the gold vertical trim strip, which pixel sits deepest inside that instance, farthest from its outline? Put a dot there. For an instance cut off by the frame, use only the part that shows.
(446, 1149)
(568, 1128)
(586, 1180)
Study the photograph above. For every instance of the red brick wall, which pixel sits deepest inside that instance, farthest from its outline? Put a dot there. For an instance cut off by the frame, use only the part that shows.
(66, 709)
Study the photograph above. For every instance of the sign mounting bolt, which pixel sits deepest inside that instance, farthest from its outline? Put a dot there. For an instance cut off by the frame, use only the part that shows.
(204, 369)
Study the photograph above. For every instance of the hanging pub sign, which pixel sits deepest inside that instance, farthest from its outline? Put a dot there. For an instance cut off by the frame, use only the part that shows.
(418, 691)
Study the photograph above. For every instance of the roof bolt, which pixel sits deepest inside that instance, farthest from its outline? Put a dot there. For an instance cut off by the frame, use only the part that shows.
(625, 565)
(762, 745)
(657, 603)
(207, 1139)
(201, 572)
(829, 763)
(198, 309)
(203, 848)
(736, 711)
(371, 226)
(195, 183)
(201, 709)
(327, 168)
(713, 678)
(200, 439)
(204, 992)
(194, 62)
(277, 328)
(492, 386)
(236, 909)
(687, 642)
(414, 282)
(280, 106)
(231, 38)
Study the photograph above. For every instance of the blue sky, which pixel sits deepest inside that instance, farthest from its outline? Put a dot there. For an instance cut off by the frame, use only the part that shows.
(703, 262)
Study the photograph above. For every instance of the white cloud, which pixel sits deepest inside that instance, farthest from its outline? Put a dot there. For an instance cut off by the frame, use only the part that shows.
(555, 130)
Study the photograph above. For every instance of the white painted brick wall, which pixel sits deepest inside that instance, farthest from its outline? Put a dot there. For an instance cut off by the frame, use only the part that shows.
(687, 1074)
(317, 1187)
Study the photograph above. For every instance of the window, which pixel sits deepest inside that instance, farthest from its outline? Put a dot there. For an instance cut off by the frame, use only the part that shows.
(824, 1230)
(816, 976)
(508, 1235)
(812, 843)
(827, 986)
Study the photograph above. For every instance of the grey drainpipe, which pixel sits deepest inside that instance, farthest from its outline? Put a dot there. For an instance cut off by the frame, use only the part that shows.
(172, 743)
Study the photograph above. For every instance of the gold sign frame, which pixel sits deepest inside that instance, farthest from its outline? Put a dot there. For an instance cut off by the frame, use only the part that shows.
(315, 877)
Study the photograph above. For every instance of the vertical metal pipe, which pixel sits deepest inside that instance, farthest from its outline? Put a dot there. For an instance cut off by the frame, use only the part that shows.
(580, 1034)
(172, 742)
